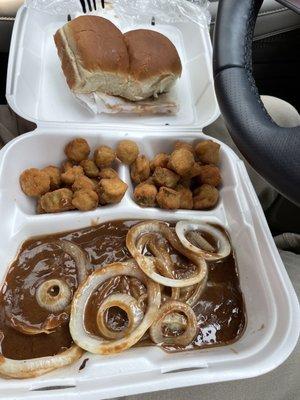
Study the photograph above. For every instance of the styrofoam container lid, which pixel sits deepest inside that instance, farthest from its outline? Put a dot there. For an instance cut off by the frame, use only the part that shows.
(37, 90)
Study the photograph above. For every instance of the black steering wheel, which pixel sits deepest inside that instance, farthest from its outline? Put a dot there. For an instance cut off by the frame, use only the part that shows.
(274, 152)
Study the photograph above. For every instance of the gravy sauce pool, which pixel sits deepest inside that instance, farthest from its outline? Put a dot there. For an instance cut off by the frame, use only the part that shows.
(220, 310)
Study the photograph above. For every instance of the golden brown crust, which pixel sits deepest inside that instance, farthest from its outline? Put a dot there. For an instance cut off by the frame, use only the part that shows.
(34, 182)
(57, 201)
(150, 54)
(97, 43)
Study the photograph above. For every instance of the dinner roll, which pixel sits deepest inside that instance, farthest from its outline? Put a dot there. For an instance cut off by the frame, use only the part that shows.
(154, 63)
(93, 54)
(96, 56)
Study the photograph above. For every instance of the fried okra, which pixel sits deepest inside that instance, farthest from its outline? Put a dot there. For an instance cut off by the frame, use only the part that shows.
(39, 208)
(208, 152)
(194, 171)
(85, 200)
(57, 201)
(181, 161)
(111, 190)
(34, 182)
(77, 150)
(127, 151)
(186, 197)
(54, 175)
(186, 182)
(71, 174)
(140, 169)
(66, 165)
(206, 196)
(209, 174)
(183, 145)
(168, 198)
(160, 160)
(104, 156)
(145, 194)
(165, 177)
(108, 173)
(90, 168)
(83, 182)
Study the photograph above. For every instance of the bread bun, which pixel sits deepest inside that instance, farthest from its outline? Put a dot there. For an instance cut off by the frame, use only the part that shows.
(93, 54)
(96, 56)
(154, 63)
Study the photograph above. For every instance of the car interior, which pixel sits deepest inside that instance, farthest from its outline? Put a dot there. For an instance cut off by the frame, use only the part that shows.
(253, 70)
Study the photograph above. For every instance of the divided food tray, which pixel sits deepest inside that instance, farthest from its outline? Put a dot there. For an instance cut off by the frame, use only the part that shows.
(37, 91)
(271, 304)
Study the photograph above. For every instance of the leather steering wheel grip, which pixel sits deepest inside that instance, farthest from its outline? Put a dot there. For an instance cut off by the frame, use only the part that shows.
(273, 151)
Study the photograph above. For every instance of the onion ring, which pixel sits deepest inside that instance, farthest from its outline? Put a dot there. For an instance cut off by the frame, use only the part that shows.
(38, 366)
(148, 265)
(53, 295)
(224, 248)
(141, 302)
(174, 307)
(175, 322)
(50, 323)
(165, 264)
(98, 345)
(54, 304)
(128, 304)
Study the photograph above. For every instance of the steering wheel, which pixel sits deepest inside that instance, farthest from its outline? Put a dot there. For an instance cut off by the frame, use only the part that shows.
(273, 151)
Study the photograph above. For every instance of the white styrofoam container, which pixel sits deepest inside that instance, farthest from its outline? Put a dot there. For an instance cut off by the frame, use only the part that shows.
(271, 304)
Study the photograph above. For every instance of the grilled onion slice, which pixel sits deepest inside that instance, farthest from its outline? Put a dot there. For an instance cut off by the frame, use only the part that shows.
(126, 303)
(38, 366)
(150, 264)
(175, 309)
(54, 295)
(99, 345)
(198, 244)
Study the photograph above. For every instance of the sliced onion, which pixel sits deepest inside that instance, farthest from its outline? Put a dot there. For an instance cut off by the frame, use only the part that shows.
(199, 241)
(184, 227)
(164, 262)
(149, 264)
(183, 339)
(142, 302)
(50, 323)
(175, 322)
(56, 303)
(175, 294)
(99, 345)
(38, 366)
(126, 303)
(197, 292)
(189, 294)
(78, 255)
(53, 295)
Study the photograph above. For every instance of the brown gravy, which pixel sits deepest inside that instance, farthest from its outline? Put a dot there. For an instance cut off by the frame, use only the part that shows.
(220, 310)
